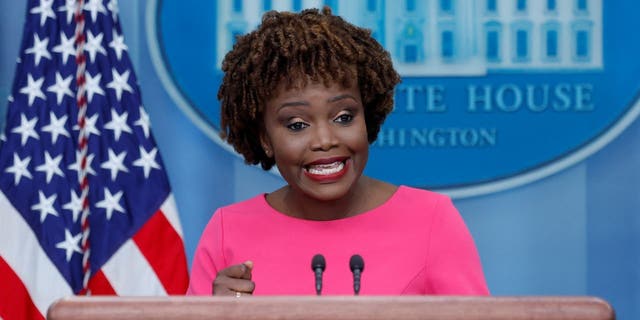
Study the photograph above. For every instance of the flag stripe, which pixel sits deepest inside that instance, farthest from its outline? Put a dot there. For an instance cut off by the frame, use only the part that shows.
(171, 213)
(158, 241)
(28, 260)
(99, 285)
(137, 278)
(15, 302)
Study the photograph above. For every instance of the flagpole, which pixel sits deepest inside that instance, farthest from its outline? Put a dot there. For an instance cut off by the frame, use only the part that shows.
(82, 143)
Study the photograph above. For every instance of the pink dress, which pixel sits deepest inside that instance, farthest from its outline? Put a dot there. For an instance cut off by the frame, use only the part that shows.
(415, 243)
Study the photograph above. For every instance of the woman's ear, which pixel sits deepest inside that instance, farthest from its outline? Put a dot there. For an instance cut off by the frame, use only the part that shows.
(266, 145)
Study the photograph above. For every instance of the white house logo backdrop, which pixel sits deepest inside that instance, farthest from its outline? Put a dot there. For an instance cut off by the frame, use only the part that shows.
(494, 93)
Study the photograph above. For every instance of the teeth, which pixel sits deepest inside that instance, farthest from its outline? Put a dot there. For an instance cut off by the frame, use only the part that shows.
(325, 169)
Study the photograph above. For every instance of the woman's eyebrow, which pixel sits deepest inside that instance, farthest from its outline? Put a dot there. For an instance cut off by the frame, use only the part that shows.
(305, 103)
(341, 97)
(293, 104)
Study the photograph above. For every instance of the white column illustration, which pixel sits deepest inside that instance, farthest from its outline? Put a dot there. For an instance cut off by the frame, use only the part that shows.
(428, 38)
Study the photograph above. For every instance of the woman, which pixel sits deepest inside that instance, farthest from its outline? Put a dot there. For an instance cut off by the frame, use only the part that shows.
(308, 93)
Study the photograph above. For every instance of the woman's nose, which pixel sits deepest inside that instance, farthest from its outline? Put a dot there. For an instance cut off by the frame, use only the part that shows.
(324, 138)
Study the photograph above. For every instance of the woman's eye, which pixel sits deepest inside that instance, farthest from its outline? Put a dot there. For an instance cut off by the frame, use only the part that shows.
(344, 118)
(297, 126)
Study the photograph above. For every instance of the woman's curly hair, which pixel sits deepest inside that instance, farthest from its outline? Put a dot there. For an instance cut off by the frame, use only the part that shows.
(291, 49)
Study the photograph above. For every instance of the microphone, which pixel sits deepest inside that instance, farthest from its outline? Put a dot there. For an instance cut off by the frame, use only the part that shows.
(357, 266)
(318, 265)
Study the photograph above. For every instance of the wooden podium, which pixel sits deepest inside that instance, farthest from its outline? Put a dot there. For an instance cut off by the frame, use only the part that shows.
(332, 307)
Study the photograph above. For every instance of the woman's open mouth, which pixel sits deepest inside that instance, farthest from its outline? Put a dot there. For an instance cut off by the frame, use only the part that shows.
(326, 171)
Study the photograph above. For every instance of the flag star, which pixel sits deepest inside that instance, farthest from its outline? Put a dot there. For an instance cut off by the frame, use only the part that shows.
(77, 165)
(143, 122)
(94, 45)
(44, 10)
(115, 163)
(120, 83)
(61, 88)
(95, 6)
(45, 206)
(118, 124)
(92, 85)
(19, 168)
(70, 8)
(118, 44)
(26, 129)
(33, 89)
(110, 203)
(50, 166)
(70, 244)
(39, 48)
(89, 126)
(74, 205)
(66, 46)
(56, 126)
(147, 161)
(113, 7)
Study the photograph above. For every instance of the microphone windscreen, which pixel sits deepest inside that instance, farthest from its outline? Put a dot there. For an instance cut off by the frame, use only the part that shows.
(318, 262)
(356, 262)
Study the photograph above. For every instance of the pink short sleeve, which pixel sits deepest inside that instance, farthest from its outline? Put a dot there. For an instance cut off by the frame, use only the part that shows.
(453, 262)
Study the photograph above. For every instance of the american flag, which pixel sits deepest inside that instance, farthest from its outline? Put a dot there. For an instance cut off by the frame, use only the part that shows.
(85, 204)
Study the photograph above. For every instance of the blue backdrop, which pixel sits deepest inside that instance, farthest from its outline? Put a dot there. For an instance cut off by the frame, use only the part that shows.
(576, 232)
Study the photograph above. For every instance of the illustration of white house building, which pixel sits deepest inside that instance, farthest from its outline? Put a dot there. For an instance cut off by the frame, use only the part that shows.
(454, 37)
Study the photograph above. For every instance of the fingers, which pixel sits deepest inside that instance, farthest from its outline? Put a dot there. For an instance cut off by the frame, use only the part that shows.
(234, 279)
(229, 286)
(239, 271)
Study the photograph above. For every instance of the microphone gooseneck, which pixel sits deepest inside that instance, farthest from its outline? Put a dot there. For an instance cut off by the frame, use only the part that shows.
(356, 264)
(318, 265)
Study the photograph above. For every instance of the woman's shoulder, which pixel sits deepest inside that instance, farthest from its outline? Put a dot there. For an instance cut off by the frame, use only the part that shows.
(384, 196)
(254, 204)
(419, 201)
(415, 196)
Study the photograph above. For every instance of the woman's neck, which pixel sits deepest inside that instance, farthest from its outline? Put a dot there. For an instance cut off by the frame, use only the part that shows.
(364, 196)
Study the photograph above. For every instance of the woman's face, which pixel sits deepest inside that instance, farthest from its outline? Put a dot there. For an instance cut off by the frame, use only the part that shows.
(318, 137)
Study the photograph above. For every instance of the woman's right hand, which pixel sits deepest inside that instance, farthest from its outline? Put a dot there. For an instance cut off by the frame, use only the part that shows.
(234, 280)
